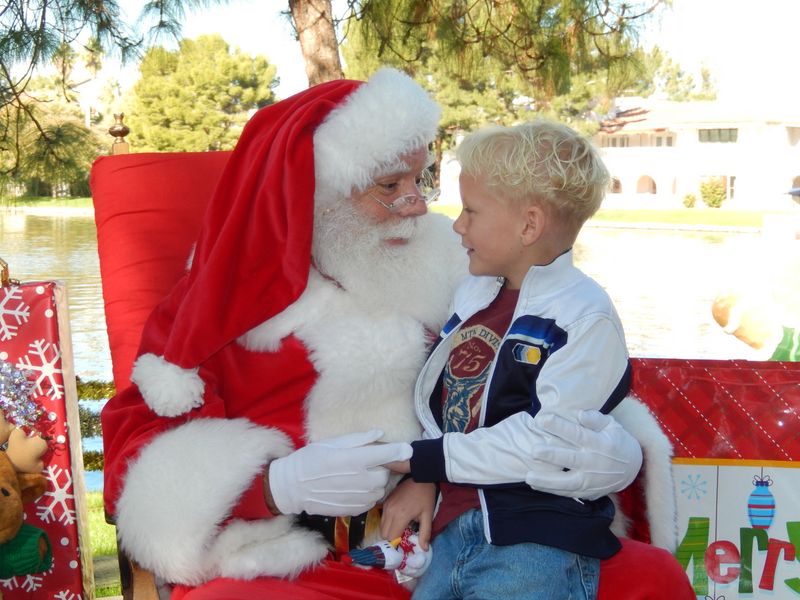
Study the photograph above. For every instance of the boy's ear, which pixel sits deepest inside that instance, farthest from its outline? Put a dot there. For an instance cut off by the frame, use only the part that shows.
(534, 220)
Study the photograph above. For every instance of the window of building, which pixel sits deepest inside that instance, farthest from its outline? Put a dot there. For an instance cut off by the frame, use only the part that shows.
(663, 139)
(646, 185)
(717, 135)
(619, 141)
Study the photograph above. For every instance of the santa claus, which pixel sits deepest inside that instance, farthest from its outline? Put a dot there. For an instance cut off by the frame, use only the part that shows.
(276, 379)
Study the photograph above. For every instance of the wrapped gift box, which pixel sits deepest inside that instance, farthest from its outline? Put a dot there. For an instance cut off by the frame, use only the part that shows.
(35, 338)
(735, 429)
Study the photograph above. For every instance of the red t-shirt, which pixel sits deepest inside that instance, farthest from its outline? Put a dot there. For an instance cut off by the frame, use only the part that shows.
(465, 374)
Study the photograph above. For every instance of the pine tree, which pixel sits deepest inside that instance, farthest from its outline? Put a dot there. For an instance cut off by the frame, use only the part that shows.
(198, 97)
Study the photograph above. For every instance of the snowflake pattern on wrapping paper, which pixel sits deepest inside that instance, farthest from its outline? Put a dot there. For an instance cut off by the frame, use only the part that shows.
(48, 375)
(27, 583)
(34, 315)
(694, 487)
(19, 312)
(55, 506)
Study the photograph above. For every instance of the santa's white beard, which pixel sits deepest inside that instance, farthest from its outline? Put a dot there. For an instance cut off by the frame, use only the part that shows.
(353, 251)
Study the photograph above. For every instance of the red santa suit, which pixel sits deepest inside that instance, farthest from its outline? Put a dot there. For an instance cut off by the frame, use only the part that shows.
(258, 351)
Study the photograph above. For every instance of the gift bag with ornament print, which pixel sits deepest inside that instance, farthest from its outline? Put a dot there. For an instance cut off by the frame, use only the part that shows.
(50, 556)
(735, 429)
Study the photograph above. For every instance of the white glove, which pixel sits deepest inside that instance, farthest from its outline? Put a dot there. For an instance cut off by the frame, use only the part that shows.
(336, 477)
(601, 456)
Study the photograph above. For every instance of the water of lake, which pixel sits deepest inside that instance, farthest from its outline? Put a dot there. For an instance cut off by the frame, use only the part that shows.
(663, 282)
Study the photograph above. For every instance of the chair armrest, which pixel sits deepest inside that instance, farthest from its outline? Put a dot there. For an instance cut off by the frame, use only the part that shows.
(137, 583)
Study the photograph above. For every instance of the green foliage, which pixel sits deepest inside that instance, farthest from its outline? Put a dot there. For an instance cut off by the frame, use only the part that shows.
(32, 36)
(95, 390)
(689, 200)
(198, 97)
(89, 422)
(661, 73)
(62, 154)
(712, 191)
(543, 42)
(54, 149)
(93, 460)
(35, 35)
(501, 62)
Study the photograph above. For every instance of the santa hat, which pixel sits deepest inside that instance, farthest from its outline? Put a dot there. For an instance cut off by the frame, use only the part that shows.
(254, 251)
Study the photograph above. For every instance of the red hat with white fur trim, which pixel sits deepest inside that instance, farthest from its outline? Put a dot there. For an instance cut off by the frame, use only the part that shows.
(255, 241)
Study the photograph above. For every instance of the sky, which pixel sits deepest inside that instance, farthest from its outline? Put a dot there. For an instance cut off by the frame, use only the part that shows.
(749, 47)
(729, 37)
(254, 26)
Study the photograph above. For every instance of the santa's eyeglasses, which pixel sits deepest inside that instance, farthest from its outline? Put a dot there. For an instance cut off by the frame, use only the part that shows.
(425, 195)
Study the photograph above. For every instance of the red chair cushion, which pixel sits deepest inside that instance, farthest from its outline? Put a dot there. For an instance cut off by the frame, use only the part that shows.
(148, 211)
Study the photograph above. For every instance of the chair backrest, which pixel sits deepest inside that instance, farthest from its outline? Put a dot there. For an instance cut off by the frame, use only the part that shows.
(148, 211)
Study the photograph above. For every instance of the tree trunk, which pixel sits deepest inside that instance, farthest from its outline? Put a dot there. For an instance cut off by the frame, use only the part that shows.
(313, 21)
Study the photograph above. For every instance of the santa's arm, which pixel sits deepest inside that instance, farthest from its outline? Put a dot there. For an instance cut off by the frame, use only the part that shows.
(179, 491)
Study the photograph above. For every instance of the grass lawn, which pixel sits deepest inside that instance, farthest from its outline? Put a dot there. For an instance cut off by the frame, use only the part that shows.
(104, 547)
(684, 216)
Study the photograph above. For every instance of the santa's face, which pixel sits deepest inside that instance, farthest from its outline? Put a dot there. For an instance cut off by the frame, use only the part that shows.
(395, 200)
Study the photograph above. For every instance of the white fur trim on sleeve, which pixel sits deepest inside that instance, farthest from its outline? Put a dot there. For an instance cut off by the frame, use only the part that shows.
(360, 124)
(271, 547)
(167, 389)
(659, 485)
(183, 485)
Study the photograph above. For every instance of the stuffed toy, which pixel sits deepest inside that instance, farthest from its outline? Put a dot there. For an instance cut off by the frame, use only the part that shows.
(24, 549)
(403, 555)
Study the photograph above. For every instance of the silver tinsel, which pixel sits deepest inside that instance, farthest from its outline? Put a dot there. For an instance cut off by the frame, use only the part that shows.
(17, 399)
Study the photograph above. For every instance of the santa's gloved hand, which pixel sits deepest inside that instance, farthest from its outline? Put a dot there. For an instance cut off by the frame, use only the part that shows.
(336, 477)
(601, 456)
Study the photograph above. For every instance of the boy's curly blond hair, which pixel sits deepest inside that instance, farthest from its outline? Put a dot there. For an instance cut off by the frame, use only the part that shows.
(539, 161)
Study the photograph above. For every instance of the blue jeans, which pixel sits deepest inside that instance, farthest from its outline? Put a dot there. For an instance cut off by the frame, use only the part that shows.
(465, 566)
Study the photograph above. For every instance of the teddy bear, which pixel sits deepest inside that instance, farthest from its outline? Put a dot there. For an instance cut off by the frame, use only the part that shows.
(24, 549)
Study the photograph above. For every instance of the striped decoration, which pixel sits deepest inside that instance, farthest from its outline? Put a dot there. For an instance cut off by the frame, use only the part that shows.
(761, 504)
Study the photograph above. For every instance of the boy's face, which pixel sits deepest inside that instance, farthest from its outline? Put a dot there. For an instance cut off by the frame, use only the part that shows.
(491, 232)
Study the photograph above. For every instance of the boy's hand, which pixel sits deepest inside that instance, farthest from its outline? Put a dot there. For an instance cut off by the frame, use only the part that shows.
(410, 501)
(399, 466)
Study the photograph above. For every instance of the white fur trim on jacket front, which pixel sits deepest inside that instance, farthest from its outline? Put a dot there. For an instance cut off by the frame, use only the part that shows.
(412, 125)
(184, 484)
(167, 389)
(659, 488)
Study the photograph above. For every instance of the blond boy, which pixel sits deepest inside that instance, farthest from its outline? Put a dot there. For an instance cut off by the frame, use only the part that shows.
(530, 336)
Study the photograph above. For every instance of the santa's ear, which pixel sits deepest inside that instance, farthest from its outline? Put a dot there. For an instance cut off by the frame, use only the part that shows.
(32, 486)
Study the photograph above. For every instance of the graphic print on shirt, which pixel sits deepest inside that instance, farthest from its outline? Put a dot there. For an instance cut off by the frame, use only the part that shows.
(465, 375)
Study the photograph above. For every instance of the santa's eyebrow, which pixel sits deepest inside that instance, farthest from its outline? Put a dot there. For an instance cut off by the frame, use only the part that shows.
(400, 167)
